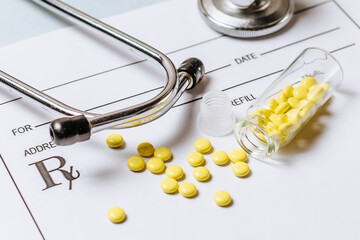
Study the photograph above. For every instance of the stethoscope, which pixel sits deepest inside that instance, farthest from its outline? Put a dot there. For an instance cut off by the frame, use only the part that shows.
(239, 18)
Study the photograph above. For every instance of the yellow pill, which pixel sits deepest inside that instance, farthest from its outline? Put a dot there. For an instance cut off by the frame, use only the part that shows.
(262, 113)
(304, 114)
(135, 163)
(201, 174)
(220, 158)
(163, 153)
(195, 159)
(308, 82)
(288, 90)
(316, 96)
(293, 115)
(305, 104)
(270, 126)
(169, 185)
(240, 169)
(286, 128)
(202, 145)
(294, 102)
(222, 198)
(114, 140)
(300, 92)
(187, 189)
(273, 104)
(273, 117)
(174, 172)
(238, 155)
(145, 149)
(325, 86)
(282, 98)
(282, 108)
(281, 119)
(155, 165)
(116, 215)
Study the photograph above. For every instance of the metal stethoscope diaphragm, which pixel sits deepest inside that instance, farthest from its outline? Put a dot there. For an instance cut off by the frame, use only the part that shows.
(246, 18)
(258, 18)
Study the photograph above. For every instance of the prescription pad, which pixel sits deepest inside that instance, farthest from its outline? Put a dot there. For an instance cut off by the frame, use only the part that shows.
(309, 191)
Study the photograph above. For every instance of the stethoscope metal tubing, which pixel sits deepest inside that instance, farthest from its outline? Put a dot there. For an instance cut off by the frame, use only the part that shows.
(82, 124)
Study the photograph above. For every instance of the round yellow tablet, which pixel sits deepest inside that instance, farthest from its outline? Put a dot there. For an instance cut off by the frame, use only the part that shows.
(202, 145)
(201, 174)
(155, 165)
(174, 172)
(238, 155)
(145, 149)
(135, 163)
(169, 185)
(114, 140)
(116, 215)
(240, 169)
(195, 159)
(222, 198)
(163, 153)
(187, 189)
(220, 158)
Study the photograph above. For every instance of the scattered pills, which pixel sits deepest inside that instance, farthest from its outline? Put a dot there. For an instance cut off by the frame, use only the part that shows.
(155, 165)
(145, 149)
(202, 145)
(195, 159)
(187, 189)
(220, 158)
(174, 172)
(169, 185)
(222, 198)
(238, 155)
(116, 215)
(201, 174)
(163, 153)
(114, 140)
(240, 169)
(135, 163)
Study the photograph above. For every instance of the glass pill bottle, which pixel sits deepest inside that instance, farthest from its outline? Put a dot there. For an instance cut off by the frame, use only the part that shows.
(289, 103)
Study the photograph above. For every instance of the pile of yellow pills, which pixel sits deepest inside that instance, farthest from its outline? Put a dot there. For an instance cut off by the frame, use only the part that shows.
(220, 158)
(116, 215)
(201, 174)
(202, 145)
(155, 165)
(114, 140)
(187, 189)
(238, 155)
(169, 185)
(163, 153)
(135, 163)
(222, 198)
(174, 172)
(195, 159)
(240, 169)
(290, 109)
(145, 149)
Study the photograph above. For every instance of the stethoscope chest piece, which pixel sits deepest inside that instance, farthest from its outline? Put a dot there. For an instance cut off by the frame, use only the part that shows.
(246, 18)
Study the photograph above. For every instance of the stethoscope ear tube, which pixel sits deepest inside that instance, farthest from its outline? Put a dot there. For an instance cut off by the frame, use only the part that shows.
(82, 124)
(69, 130)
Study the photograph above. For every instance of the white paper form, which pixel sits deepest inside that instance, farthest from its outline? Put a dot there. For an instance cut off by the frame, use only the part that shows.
(311, 192)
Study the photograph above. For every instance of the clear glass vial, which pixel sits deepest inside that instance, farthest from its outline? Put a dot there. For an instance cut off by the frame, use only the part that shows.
(288, 103)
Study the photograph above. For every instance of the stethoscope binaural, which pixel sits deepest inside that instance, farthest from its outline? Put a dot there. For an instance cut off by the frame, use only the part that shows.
(79, 125)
